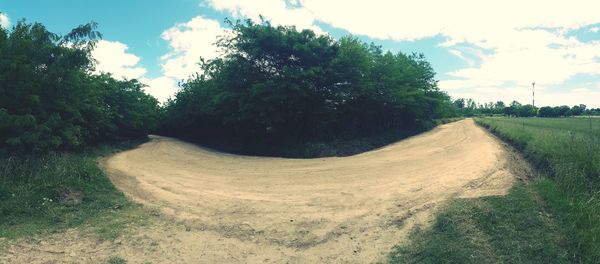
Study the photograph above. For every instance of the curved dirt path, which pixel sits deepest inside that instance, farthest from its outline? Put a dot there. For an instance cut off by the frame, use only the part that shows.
(273, 210)
(326, 209)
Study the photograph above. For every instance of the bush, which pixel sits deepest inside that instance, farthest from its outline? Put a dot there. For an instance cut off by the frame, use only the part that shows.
(278, 84)
(49, 100)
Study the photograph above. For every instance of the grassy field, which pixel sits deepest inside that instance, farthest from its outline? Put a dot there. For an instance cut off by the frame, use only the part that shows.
(56, 191)
(567, 150)
(554, 219)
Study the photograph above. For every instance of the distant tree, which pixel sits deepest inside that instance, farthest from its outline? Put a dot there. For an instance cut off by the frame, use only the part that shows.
(592, 111)
(576, 110)
(499, 105)
(526, 111)
(515, 104)
(546, 111)
(471, 104)
(562, 110)
(459, 103)
(512, 109)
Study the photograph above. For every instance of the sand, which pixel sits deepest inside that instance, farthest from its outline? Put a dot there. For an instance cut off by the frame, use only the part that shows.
(222, 208)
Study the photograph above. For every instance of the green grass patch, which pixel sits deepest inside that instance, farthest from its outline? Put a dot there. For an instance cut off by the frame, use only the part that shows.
(116, 260)
(49, 193)
(505, 229)
(567, 151)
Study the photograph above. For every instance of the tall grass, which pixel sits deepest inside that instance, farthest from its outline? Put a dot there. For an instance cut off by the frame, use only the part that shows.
(32, 190)
(567, 150)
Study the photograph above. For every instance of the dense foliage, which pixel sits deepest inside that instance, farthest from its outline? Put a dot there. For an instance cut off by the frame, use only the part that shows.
(280, 84)
(49, 100)
(564, 110)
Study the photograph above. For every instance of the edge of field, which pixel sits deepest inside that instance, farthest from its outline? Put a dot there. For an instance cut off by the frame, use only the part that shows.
(519, 227)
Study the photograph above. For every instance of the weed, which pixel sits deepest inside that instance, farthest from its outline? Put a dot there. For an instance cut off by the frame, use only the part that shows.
(116, 260)
(506, 229)
(47, 193)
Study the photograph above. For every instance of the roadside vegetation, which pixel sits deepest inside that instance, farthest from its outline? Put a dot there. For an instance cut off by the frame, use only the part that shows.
(280, 91)
(48, 193)
(553, 219)
(51, 101)
(567, 151)
(56, 118)
(503, 229)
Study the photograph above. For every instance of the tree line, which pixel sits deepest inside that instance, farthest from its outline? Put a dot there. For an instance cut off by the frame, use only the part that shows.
(277, 83)
(51, 101)
(468, 107)
(272, 84)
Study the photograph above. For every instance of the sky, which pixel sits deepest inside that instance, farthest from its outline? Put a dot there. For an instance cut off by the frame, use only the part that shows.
(484, 50)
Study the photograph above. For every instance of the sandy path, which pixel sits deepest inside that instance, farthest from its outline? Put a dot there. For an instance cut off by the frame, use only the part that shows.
(274, 210)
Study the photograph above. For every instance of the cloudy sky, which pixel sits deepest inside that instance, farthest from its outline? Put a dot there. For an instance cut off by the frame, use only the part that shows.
(485, 50)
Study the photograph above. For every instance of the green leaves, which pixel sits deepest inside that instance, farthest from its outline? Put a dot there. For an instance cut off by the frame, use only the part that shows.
(275, 82)
(49, 100)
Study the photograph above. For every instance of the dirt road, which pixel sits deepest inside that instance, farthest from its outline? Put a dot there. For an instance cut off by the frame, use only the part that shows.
(273, 210)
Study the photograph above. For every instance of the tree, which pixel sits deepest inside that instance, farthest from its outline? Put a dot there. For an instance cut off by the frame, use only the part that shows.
(499, 107)
(562, 110)
(459, 103)
(576, 110)
(278, 83)
(526, 111)
(546, 111)
(50, 101)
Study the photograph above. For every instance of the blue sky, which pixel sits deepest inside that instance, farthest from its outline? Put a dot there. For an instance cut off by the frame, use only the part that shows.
(485, 51)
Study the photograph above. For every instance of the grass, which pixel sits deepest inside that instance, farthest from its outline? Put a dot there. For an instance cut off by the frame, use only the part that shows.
(568, 151)
(49, 193)
(554, 219)
(509, 229)
(116, 260)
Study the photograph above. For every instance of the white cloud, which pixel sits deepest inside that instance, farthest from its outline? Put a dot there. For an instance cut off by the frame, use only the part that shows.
(112, 57)
(188, 42)
(542, 56)
(450, 85)
(513, 30)
(524, 41)
(402, 20)
(278, 12)
(571, 98)
(594, 29)
(162, 88)
(581, 90)
(460, 54)
(523, 94)
(4, 20)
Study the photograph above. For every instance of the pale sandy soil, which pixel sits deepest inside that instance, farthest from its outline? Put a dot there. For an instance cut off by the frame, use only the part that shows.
(222, 208)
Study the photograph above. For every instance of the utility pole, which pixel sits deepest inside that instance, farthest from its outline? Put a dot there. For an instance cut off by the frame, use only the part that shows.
(533, 87)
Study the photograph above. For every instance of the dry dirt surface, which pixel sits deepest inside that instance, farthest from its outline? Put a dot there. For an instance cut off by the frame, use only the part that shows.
(222, 208)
